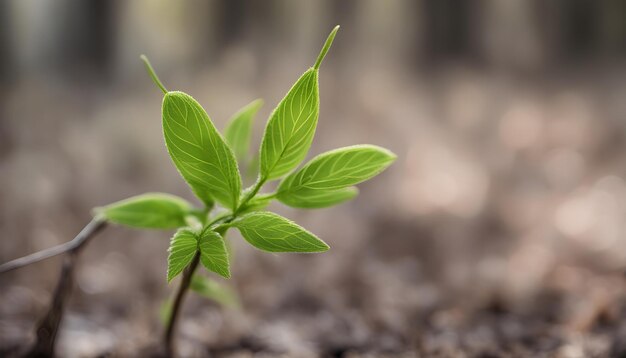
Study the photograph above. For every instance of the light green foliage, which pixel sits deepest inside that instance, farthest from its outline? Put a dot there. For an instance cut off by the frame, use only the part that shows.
(317, 199)
(208, 244)
(148, 211)
(326, 47)
(290, 128)
(239, 130)
(183, 247)
(216, 291)
(213, 254)
(209, 164)
(321, 181)
(199, 152)
(273, 233)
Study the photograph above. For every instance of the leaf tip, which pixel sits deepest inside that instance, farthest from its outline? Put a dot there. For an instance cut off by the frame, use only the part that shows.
(392, 156)
(320, 246)
(258, 103)
(326, 47)
(152, 73)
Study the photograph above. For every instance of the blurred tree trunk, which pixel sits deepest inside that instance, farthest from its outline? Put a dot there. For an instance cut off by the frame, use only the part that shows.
(63, 36)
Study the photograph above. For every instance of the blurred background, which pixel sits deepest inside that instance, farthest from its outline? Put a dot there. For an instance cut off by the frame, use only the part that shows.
(500, 230)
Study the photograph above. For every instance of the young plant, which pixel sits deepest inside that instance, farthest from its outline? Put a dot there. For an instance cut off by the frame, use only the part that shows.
(210, 164)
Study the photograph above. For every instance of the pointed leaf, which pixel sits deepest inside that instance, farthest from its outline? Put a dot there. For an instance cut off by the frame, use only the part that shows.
(273, 233)
(334, 170)
(316, 199)
(213, 254)
(183, 247)
(199, 152)
(239, 129)
(290, 128)
(148, 211)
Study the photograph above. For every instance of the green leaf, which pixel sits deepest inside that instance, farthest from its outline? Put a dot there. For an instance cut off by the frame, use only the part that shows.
(183, 248)
(273, 233)
(186, 243)
(199, 152)
(153, 74)
(290, 128)
(326, 47)
(148, 211)
(332, 171)
(316, 199)
(239, 129)
(213, 254)
(215, 291)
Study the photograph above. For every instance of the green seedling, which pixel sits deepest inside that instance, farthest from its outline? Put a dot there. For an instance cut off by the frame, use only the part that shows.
(210, 163)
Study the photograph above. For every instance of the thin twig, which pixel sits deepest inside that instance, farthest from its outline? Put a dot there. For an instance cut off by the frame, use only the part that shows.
(85, 234)
(48, 326)
(178, 300)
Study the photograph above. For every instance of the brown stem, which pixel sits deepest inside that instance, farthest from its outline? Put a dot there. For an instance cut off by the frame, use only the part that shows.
(85, 234)
(48, 327)
(168, 339)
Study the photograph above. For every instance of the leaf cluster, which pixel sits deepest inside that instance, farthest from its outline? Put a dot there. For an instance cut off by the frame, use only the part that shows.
(211, 164)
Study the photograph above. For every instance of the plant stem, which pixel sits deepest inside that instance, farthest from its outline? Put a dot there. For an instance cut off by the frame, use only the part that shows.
(48, 327)
(254, 191)
(168, 339)
(176, 306)
(83, 236)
